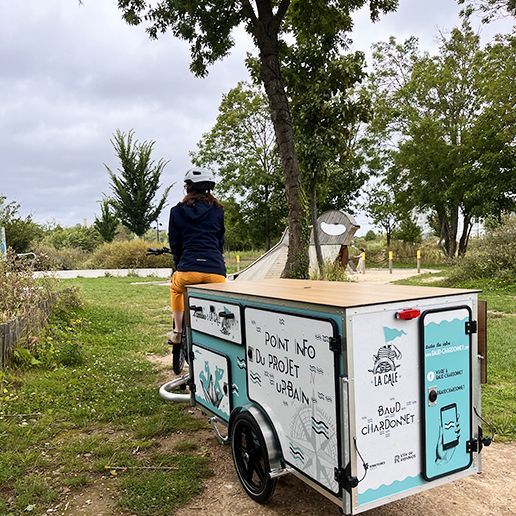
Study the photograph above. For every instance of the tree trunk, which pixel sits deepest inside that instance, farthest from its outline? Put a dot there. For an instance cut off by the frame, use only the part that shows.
(453, 229)
(466, 232)
(266, 28)
(315, 231)
(388, 234)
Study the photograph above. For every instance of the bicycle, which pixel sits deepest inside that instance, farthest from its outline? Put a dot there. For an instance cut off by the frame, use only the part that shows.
(179, 352)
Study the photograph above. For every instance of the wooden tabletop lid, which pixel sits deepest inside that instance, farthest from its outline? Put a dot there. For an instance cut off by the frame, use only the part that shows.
(330, 293)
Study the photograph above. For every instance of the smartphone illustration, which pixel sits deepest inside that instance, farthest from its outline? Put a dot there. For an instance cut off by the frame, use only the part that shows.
(449, 426)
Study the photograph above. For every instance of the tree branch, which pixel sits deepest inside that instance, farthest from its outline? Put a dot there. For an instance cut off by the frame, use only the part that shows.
(248, 10)
(282, 10)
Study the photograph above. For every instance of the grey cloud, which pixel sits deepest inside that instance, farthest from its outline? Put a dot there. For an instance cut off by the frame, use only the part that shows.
(71, 75)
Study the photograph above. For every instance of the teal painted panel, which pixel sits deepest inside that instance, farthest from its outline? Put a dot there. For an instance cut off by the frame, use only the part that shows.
(447, 372)
(238, 367)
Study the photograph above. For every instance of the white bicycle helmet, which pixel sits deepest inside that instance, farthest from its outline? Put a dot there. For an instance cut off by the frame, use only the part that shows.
(200, 179)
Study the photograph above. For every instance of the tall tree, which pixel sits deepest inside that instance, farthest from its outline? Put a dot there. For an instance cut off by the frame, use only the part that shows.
(242, 148)
(209, 32)
(433, 134)
(385, 213)
(136, 183)
(108, 222)
(326, 115)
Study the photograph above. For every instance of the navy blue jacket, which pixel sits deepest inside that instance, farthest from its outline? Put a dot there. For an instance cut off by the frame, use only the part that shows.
(196, 238)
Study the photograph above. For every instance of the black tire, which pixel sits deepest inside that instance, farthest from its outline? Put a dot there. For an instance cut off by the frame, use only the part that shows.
(179, 354)
(249, 453)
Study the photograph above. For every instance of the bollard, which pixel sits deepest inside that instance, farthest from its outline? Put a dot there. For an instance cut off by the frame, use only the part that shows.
(418, 259)
(238, 262)
(390, 261)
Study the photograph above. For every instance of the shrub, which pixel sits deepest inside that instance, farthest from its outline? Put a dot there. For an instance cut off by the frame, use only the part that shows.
(50, 258)
(77, 237)
(332, 272)
(490, 257)
(20, 292)
(127, 255)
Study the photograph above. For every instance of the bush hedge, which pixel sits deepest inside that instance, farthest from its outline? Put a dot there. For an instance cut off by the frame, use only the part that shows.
(130, 254)
(491, 257)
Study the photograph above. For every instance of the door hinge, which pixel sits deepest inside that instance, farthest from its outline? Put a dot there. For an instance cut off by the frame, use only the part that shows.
(471, 327)
(335, 343)
(472, 446)
(344, 479)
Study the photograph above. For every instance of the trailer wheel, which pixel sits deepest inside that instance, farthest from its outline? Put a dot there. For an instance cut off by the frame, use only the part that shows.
(250, 458)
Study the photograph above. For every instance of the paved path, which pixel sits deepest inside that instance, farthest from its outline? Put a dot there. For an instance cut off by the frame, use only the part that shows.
(101, 273)
(378, 276)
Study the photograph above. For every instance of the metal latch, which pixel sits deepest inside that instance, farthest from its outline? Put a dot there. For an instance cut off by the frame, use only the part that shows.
(334, 343)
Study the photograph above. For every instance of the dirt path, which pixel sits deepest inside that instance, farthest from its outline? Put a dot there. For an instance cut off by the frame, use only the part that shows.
(383, 276)
(492, 493)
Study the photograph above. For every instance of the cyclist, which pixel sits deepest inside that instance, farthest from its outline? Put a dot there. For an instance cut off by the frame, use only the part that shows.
(196, 237)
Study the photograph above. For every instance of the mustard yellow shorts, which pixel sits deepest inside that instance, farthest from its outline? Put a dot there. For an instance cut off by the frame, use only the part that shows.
(181, 279)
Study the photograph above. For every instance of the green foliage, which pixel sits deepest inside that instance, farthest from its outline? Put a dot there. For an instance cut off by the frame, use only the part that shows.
(241, 148)
(20, 232)
(442, 129)
(327, 114)
(239, 236)
(78, 237)
(136, 183)
(491, 257)
(408, 231)
(107, 223)
(130, 254)
(489, 9)
(381, 206)
(370, 235)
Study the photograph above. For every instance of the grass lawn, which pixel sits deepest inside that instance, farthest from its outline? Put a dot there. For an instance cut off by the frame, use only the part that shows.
(499, 394)
(64, 428)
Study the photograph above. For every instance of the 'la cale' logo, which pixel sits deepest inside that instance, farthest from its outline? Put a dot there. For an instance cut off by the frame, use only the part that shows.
(387, 359)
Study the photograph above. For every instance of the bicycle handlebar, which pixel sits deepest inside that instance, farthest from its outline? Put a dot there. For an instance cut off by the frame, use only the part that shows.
(151, 251)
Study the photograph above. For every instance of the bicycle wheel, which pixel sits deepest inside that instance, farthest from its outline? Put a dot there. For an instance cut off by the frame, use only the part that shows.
(179, 354)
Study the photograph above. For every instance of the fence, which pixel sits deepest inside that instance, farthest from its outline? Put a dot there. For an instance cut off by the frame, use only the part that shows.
(16, 329)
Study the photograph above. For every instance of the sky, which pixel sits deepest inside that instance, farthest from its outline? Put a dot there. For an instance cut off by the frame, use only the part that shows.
(71, 74)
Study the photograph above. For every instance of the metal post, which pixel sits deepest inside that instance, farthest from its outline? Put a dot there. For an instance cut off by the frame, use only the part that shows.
(390, 261)
(157, 230)
(418, 259)
(238, 262)
(3, 243)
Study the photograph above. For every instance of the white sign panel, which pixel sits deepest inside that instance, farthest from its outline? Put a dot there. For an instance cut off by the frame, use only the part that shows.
(291, 374)
(215, 318)
(386, 382)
